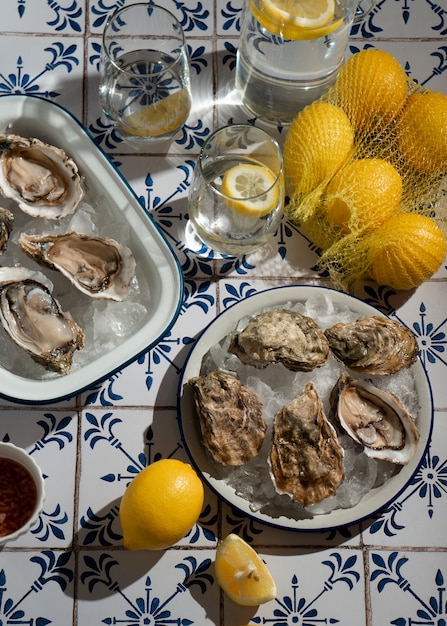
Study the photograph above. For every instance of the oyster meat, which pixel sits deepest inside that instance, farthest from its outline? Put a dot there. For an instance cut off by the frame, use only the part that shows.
(374, 418)
(98, 266)
(306, 458)
(373, 345)
(281, 336)
(34, 320)
(6, 224)
(40, 178)
(230, 416)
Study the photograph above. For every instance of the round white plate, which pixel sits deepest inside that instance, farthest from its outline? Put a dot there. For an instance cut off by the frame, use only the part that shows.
(377, 498)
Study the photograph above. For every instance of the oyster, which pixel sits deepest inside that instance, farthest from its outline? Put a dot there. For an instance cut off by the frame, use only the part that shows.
(34, 319)
(373, 345)
(306, 459)
(230, 416)
(97, 266)
(40, 178)
(6, 224)
(374, 418)
(281, 336)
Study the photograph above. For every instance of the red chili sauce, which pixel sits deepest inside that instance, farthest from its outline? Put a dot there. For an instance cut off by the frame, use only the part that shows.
(18, 496)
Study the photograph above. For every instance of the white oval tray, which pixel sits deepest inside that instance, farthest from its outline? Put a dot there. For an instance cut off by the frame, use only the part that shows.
(115, 204)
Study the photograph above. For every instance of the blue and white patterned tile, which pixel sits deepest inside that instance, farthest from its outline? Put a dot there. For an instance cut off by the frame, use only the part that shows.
(127, 440)
(321, 587)
(417, 517)
(45, 67)
(66, 17)
(424, 313)
(161, 186)
(228, 18)
(399, 19)
(37, 587)
(50, 438)
(407, 588)
(171, 587)
(196, 19)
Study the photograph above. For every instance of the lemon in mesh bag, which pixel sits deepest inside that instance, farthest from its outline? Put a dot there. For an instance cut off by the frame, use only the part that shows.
(405, 250)
(397, 166)
(362, 195)
(422, 132)
(318, 142)
(372, 88)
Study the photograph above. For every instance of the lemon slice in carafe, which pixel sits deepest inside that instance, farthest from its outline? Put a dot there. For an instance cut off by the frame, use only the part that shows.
(296, 19)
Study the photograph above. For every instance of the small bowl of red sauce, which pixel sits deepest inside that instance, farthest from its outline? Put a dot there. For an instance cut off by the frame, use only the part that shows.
(22, 492)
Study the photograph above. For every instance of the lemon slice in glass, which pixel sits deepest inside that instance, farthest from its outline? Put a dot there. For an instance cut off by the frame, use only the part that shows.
(296, 19)
(250, 189)
(160, 118)
(242, 574)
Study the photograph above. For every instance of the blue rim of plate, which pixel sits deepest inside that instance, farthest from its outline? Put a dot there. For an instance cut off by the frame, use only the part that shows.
(373, 502)
(30, 391)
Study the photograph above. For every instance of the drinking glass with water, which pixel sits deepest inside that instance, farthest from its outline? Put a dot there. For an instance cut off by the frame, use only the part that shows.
(236, 197)
(145, 84)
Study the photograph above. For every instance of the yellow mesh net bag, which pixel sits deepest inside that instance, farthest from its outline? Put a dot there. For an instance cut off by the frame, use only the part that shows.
(366, 169)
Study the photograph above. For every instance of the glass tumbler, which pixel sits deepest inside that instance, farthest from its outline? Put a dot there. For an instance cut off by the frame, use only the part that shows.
(144, 75)
(236, 197)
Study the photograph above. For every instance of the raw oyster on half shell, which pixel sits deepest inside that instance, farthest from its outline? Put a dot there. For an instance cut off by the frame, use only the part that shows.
(230, 416)
(98, 266)
(373, 345)
(375, 418)
(35, 321)
(281, 336)
(6, 224)
(40, 178)
(306, 459)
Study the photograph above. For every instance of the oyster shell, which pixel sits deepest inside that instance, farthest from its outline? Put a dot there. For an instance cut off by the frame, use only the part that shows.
(374, 418)
(306, 459)
(281, 336)
(373, 345)
(6, 224)
(230, 416)
(34, 319)
(98, 266)
(41, 178)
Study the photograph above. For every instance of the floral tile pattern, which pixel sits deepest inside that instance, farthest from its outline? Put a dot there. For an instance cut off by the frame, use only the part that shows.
(71, 568)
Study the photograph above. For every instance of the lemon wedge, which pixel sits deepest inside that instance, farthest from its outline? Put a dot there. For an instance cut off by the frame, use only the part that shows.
(250, 189)
(242, 574)
(296, 19)
(160, 118)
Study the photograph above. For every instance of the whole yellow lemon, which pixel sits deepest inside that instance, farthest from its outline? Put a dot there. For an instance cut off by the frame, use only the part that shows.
(406, 250)
(160, 505)
(372, 88)
(422, 132)
(362, 195)
(320, 139)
